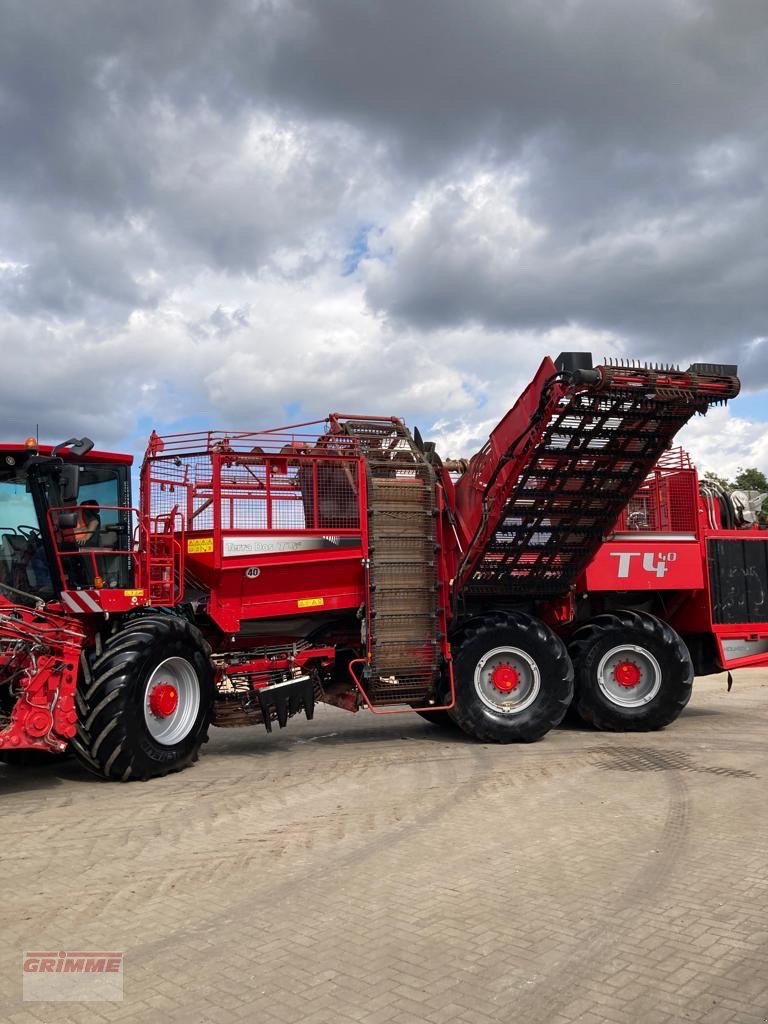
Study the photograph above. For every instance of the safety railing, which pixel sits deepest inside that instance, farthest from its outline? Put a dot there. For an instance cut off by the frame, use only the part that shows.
(134, 551)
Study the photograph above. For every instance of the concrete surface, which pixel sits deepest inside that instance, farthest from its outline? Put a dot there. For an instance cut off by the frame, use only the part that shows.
(376, 870)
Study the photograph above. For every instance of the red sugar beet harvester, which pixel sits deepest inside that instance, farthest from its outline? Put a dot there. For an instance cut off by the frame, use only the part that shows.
(575, 560)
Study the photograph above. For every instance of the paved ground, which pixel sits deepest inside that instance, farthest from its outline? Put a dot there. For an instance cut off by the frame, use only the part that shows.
(376, 870)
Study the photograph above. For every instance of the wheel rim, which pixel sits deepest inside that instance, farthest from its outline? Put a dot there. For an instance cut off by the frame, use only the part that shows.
(629, 676)
(171, 701)
(507, 680)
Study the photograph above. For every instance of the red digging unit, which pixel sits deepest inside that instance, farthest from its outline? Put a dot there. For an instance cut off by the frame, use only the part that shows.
(574, 559)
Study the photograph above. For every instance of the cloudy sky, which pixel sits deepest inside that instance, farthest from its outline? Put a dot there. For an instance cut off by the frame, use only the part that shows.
(249, 212)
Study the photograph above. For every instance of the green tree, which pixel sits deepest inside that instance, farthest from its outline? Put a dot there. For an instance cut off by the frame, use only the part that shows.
(751, 480)
(719, 480)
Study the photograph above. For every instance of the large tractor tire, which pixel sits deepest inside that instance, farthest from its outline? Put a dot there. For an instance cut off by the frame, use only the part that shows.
(145, 702)
(513, 676)
(633, 672)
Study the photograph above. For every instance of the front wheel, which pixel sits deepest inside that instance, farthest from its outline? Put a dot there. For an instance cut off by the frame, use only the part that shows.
(514, 679)
(633, 672)
(145, 705)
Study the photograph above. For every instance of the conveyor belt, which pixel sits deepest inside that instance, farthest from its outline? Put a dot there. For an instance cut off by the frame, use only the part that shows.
(403, 642)
(574, 472)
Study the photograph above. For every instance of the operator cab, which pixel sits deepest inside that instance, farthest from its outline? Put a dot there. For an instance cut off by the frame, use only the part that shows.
(47, 497)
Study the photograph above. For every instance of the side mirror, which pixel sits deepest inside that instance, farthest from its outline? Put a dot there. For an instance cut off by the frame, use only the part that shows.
(70, 482)
(75, 446)
(67, 520)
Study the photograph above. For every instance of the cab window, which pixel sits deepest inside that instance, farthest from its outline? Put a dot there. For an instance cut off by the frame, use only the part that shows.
(105, 520)
(23, 563)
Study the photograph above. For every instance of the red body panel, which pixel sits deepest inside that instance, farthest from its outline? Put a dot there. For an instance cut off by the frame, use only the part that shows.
(639, 564)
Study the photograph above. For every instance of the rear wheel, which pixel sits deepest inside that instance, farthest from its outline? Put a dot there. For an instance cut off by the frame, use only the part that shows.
(514, 679)
(145, 705)
(633, 672)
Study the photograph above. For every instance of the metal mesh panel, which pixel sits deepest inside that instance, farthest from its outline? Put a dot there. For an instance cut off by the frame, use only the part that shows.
(183, 484)
(257, 492)
(665, 503)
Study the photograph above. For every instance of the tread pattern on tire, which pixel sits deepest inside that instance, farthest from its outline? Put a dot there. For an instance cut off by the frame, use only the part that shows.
(642, 629)
(527, 632)
(108, 739)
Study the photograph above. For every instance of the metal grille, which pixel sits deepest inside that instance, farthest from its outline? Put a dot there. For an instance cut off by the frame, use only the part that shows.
(172, 485)
(665, 503)
(259, 492)
(595, 452)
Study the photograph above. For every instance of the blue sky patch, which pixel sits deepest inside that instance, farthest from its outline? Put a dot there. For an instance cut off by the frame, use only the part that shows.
(753, 406)
(357, 251)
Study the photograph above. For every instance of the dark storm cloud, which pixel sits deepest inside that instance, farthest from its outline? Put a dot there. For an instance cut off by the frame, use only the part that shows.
(658, 74)
(127, 149)
(753, 366)
(693, 280)
(641, 133)
(146, 143)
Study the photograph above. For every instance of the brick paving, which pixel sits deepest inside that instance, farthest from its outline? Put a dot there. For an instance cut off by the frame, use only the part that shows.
(377, 870)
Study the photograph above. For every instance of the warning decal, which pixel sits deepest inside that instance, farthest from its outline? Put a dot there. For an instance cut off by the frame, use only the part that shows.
(199, 545)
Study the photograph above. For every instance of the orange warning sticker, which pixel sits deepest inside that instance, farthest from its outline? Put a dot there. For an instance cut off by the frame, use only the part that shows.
(311, 602)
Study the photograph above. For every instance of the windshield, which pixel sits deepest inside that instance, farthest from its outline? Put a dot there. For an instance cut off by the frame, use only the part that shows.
(23, 564)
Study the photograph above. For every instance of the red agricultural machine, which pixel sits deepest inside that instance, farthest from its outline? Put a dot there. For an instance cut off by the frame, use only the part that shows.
(574, 560)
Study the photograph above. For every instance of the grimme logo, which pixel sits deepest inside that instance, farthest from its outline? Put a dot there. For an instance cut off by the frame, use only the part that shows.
(67, 975)
(655, 564)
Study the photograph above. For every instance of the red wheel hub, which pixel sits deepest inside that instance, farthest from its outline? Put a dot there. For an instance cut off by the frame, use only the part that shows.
(627, 674)
(505, 678)
(163, 700)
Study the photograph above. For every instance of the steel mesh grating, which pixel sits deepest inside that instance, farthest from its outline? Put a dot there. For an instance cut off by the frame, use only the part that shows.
(595, 452)
(667, 502)
(257, 492)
